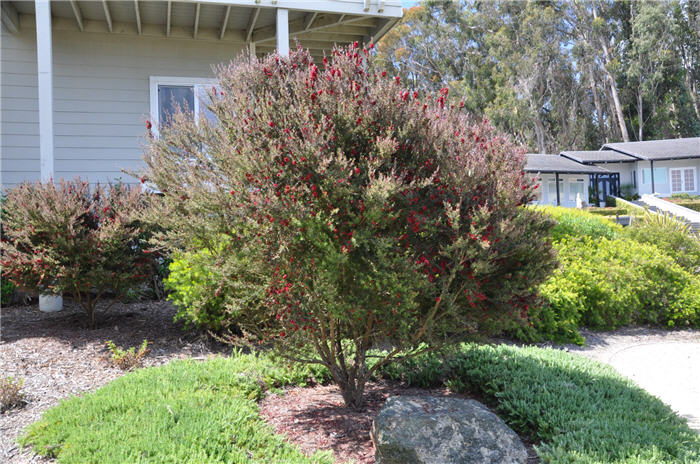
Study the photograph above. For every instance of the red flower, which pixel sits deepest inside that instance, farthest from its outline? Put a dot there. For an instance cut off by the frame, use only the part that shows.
(148, 124)
(398, 79)
(355, 44)
(272, 124)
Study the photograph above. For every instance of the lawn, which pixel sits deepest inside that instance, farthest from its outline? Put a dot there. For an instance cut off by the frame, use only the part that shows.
(577, 410)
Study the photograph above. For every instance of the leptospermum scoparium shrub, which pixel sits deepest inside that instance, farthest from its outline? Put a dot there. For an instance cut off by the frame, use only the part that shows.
(354, 213)
(74, 239)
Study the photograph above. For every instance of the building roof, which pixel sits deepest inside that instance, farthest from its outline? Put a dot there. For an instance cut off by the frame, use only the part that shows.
(598, 156)
(659, 149)
(555, 163)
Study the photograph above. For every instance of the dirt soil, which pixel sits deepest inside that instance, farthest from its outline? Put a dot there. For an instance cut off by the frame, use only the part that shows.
(57, 357)
(315, 418)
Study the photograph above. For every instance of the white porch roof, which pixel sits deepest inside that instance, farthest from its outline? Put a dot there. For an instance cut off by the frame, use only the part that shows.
(316, 24)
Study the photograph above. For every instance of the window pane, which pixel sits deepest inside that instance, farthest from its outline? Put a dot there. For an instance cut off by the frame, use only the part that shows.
(676, 182)
(172, 97)
(204, 100)
(689, 175)
(660, 176)
(575, 188)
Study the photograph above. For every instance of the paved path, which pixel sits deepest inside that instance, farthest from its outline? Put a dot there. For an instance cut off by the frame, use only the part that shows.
(665, 363)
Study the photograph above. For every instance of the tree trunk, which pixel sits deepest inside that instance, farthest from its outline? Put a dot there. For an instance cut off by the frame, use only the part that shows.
(598, 106)
(640, 112)
(693, 93)
(352, 387)
(613, 87)
(540, 133)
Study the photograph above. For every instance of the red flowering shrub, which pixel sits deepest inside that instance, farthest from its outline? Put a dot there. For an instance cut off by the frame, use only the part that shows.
(75, 240)
(354, 213)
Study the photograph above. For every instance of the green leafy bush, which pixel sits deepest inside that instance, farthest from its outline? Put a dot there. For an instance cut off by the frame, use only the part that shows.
(7, 291)
(578, 223)
(610, 277)
(607, 283)
(675, 237)
(355, 212)
(576, 410)
(607, 211)
(196, 288)
(186, 412)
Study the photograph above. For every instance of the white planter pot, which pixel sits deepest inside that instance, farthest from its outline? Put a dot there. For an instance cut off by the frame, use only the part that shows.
(50, 303)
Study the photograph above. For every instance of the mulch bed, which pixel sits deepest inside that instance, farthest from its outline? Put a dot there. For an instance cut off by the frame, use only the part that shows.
(57, 357)
(315, 418)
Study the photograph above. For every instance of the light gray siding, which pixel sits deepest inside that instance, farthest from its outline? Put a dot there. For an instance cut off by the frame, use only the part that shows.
(19, 110)
(101, 98)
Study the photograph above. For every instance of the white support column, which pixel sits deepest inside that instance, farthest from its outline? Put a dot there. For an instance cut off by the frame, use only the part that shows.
(283, 31)
(45, 76)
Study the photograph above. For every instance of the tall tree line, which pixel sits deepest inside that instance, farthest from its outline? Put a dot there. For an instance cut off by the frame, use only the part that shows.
(559, 74)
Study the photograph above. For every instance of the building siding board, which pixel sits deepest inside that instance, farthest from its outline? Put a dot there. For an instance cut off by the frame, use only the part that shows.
(101, 99)
(19, 144)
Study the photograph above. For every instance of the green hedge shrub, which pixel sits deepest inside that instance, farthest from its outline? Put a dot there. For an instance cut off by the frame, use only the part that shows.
(611, 277)
(608, 283)
(607, 211)
(196, 291)
(578, 223)
(7, 290)
(676, 238)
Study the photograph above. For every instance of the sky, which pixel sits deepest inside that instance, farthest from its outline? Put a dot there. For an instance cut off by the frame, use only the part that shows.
(409, 3)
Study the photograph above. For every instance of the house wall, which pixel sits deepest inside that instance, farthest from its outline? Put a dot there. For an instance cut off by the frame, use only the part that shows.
(663, 186)
(101, 98)
(567, 199)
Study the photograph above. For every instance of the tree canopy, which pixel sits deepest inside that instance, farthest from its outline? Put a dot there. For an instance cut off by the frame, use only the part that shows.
(557, 74)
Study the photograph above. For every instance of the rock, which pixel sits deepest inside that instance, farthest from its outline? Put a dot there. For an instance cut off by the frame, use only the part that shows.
(435, 430)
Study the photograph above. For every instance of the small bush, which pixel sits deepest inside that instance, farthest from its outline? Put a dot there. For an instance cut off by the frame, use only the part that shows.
(75, 239)
(578, 223)
(197, 289)
(674, 236)
(128, 359)
(607, 211)
(685, 196)
(7, 291)
(11, 395)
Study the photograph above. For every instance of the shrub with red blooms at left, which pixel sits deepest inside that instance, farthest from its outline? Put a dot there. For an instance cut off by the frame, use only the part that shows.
(75, 239)
(343, 212)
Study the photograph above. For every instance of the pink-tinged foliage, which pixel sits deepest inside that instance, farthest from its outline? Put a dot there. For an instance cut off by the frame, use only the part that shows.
(347, 212)
(70, 238)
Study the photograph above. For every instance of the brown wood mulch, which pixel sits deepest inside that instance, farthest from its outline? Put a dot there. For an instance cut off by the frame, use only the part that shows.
(315, 418)
(57, 357)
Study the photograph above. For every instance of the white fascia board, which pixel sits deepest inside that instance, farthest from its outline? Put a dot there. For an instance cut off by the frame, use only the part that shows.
(391, 9)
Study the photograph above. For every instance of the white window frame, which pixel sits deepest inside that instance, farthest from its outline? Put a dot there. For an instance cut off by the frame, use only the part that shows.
(682, 171)
(195, 82)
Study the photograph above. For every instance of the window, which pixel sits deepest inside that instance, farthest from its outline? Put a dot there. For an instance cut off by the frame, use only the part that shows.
(168, 93)
(552, 191)
(576, 188)
(659, 176)
(682, 180)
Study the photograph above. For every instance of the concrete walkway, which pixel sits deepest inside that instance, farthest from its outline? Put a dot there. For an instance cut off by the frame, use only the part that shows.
(665, 363)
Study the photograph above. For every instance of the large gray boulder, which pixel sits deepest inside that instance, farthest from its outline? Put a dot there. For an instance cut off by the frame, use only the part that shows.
(435, 430)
